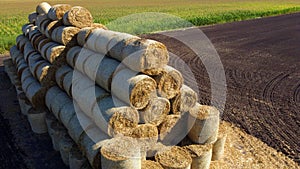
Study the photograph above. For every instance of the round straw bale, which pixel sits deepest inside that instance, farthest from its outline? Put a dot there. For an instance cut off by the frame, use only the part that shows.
(75, 129)
(14, 53)
(50, 94)
(72, 54)
(34, 39)
(99, 36)
(84, 120)
(148, 164)
(26, 83)
(58, 103)
(37, 121)
(104, 109)
(51, 26)
(156, 111)
(32, 33)
(21, 66)
(157, 147)
(174, 158)
(121, 153)
(146, 135)
(65, 146)
(25, 27)
(93, 155)
(205, 120)
(35, 93)
(57, 12)
(18, 40)
(49, 118)
(45, 47)
(28, 54)
(25, 74)
(123, 121)
(60, 74)
(80, 83)
(35, 57)
(104, 73)
(95, 67)
(21, 40)
(141, 54)
(54, 34)
(34, 60)
(18, 60)
(67, 83)
(40, 18)
(185, 141)
(174, 129)
(67, 112)
(24, 102)
(184, 101)
(42, 43)
(88, 97)
(83, 35)
(118, 43)
(28, 49)
(32, 17)
(42, 70)
(219, 145)
(57, 131)
(46, 75)
(133, 89)
(43, 8)
(169, 82)
(89, 64)
(201, 155)
(43, 25)
(76, 158)
(65, 35)
(78, 16)
(148, 132)
(166, 126)
(82, 57)
(37, 40)
(55, 53)
(28, 27)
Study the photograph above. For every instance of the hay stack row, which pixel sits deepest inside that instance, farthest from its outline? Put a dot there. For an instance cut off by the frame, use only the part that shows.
(108, 97)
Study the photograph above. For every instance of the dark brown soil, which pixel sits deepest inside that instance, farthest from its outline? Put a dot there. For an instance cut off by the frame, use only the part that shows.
(261, 59)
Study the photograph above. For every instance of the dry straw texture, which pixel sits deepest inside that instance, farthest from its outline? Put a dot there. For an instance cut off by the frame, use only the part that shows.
(174, 158)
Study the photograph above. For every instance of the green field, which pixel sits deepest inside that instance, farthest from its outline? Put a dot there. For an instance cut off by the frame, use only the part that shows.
(13, 14)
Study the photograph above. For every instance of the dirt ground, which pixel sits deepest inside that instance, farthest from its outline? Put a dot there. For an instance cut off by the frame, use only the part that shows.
(261, 59)
(243, 151)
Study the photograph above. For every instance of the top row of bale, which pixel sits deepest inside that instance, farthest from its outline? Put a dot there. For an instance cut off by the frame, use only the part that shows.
(71, 26)
(76, 16)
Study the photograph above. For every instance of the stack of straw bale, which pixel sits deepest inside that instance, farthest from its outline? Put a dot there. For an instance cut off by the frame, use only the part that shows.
(108, 99)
